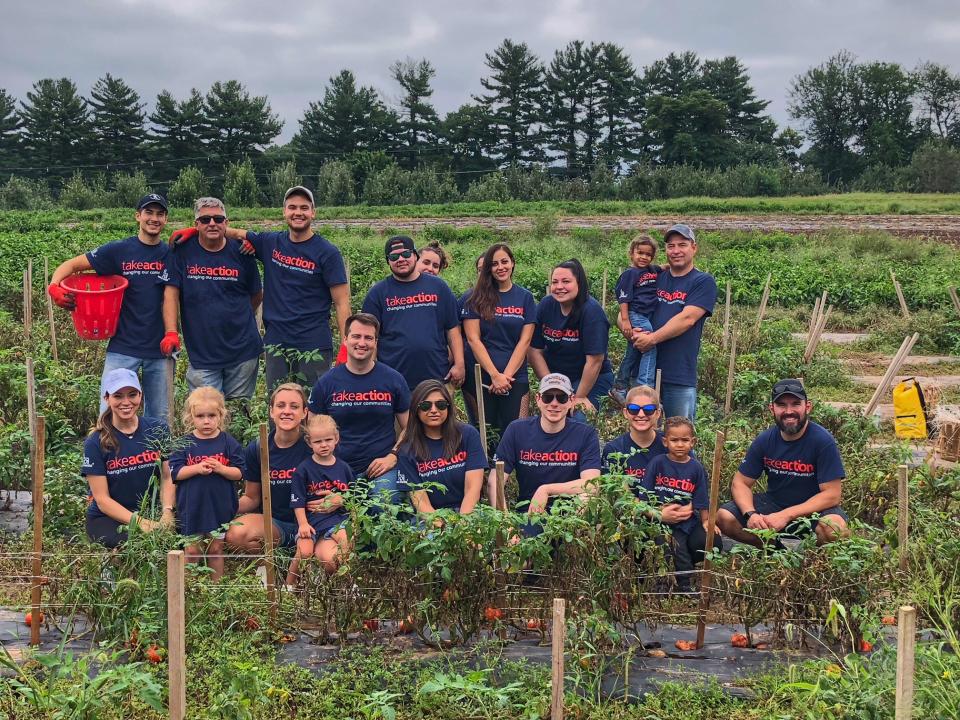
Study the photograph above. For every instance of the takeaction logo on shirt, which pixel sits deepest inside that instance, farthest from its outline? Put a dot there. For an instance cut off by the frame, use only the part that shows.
(281, 477)
(638, 473)
(293, 262)
(317, 486)
(672, 298)
(509, 311)
(556, 458)
(646, 277)
(212, 272)
(562, 334)
(127, 463)
(194, 459)
(431, 467)
(681, 486)
(367, 398)
(796, 468)
(404, 302)
(141, 267)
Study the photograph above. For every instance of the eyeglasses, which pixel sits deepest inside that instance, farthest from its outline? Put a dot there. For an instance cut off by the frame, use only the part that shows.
(393, 257)
(560, 396)
(207, 219)
(647, 410)
(425, 405)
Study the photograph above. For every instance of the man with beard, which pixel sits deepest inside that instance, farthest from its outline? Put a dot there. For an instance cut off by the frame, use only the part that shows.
(419, 319)
(804, 476)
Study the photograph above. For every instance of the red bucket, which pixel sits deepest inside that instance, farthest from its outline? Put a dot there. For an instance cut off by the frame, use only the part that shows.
(99, 298)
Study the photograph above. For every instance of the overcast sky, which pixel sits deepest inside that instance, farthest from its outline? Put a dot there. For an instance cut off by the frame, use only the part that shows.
(288, 51)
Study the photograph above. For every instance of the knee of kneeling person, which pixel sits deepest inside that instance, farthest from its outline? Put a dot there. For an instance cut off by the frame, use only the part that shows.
(832, 527)
(726, 521)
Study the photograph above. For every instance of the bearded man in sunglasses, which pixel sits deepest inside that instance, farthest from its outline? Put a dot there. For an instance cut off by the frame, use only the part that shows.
(552, 454)
(216, 290)
(419, 319)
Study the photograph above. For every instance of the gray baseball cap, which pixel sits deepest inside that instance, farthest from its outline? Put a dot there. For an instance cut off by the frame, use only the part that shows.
(680, 229)
(299, 190)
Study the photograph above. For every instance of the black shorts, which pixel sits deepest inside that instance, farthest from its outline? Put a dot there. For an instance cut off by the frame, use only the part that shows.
(764, 505)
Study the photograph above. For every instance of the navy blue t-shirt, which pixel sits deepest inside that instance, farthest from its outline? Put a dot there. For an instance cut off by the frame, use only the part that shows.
(682, 483)
(414, 320)
(623, 455)
(515, 310)
(677, 357)
(310, 479)
(364, 407)
(566, 347)
(219, 327)
(448, 471)
(130, 468)
(140, 326)
(542, 458)
(205, 502)
(637, 287)
(298, 277)
(797, 468)
(283, 461)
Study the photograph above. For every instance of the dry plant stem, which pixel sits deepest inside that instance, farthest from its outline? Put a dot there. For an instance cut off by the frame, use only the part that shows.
(603, 293)
(267, 522)
(50, 317)
(954, 299)
(31, 397)
(900, 298)
(707, 576)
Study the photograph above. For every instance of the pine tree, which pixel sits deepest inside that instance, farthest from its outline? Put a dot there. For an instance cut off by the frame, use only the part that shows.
(180, 128)
(515, 89)
(617, 85)
(418, 118)
(9, 131)
(727, 81)
(240, 125)
(567, 79)
(118, 119)
(56, 125)
(467, 135)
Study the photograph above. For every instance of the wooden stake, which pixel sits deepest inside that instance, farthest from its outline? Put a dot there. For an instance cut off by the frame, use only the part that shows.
(726, 319)
(267, 509)
(903, 515)
(707, 576)
(814, 341)
(603, 294)
(906, 647)
(763, 300)
(50, 317)
(903, 302)
(814, 319)
(559, 636)
(31, 398)
(346, 268)
(657, 388)
(39, 443)
(171, 393)
(30, 288)
(501, 483)
(953, 297)
(481, 405)
(731, 365)
(27, 319)
(176, 640)
(905, 347)
(817, 320)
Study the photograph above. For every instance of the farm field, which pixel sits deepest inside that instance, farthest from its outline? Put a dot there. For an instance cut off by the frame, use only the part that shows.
(818, 618)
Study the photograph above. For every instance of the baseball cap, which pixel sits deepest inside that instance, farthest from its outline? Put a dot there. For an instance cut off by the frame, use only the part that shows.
(680, 229)
(788, 386)
(299, 190)
(400, 242)
(556, 381)
(120, 378)
(152, 199)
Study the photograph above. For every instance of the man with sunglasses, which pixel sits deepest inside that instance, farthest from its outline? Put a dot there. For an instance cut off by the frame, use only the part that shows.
(804, 476)
(419, 319)
(552, 455)
(630, 453)
(216, 290)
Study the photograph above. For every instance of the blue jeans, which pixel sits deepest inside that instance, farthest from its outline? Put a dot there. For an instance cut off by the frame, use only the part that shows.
(678, 400)
(389, 484)
(638, 368)
(599, 391)
(234, 381)
(153, 378)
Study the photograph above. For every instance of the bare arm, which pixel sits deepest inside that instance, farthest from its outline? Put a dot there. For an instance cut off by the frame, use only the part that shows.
(256, 299)
(71, 267)
(455, 345)
(573, 487)
(520, 351)
(676, 326)
(340, 294)
(421, 502)
(168, 494)
(472, 330)
(235, 233)
(472, 486)
(741, 489)
(171, 308)
(591, 370)
(828, 496)
(250, 499)
(538, 362)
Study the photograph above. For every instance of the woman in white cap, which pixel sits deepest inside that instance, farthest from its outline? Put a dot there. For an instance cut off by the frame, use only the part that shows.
(124, 461)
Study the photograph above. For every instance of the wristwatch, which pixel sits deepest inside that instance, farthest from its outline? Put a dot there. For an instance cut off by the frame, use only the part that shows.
(747, 515)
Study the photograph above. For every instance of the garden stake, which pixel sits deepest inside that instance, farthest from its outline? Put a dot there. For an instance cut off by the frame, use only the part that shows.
(481, 406)
(171, 393)
(707, 575)
(657, 388)
(817, 320)
(39, 440)
(501, 483)
(176, 645)
(905, 347)
(346, 269)
(956, 300)
(814, 342)
(31, 397)
(903, 515)
(726, 319)
(763, 300)
(814, 317)
(26, 306)
(53, 326)
(603, 293)
(267, 522)
(728, 403)
(906, 640)
(903, 302)
(500, 503)
(558, 638)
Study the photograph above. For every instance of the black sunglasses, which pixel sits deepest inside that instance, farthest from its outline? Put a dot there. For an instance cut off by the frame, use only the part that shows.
(207, 219)
(425, 405)
(393, 257)
(635, 409)
(560, 396)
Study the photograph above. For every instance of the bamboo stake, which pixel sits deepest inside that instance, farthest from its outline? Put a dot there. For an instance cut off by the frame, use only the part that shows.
(903, 515)
(558, 639)
(657, 388)
(953, 297)
(726, 319)
(728, 403)
(603, 294)
(39, 443)
(814, 318)
(481, 405)
(171, 393)
(30, 288)
(819, 310)
(31, 397)
(27, 319)
(814, 341)
(176, 643)
(267, 509)
(900, 298)
(763, 300)
(902, 353)
(906, 642)
(50, 317)
(501, 500)
(707, 576)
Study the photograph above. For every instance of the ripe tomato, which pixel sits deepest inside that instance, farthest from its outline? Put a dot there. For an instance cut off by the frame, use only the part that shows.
(153, 655)
(29, 618)
(372, 625)
(888, 620)
(407, 625)
(685, 645)
(252, 623)
(493, 613)
(739, 640)
(534, 624)
(866, 646)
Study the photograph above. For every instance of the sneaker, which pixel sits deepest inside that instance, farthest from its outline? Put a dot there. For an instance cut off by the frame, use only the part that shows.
(618, 396)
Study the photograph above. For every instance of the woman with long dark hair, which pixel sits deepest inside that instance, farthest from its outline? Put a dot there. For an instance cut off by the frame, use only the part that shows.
(499, 318)
(438, 455)
(572, 335)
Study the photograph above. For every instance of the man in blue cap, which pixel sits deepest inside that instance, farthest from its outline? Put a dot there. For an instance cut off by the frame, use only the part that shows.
(685, 298)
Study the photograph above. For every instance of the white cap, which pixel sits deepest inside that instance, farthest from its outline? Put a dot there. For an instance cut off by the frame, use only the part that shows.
(120, 378)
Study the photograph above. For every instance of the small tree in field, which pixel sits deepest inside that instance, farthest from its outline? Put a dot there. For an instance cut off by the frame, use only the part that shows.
(335, 184)
(240, 188)
(282, 177)
(189, 185)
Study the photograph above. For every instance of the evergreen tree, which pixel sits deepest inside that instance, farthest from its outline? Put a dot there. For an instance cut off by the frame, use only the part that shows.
(56, 125)
(418, 118)
(180, 128)
(617, 83)
(727, 81)
(118, 119)
(674, 76)
(468, 134)
(567, 79)
(9, 131)
(515, 89)
(240, 125)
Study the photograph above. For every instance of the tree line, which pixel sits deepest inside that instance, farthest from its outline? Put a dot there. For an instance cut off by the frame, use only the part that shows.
(588, 118)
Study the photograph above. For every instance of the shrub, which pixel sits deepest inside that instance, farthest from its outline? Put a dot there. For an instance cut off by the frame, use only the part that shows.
(386, 187)
(490, 187)
(128, 188)
(240, 188)
(335, 184)
(78, 194)
(425, 185)
(935, 167)
(189, 185)
(282, 177)
(877, 178)
(24, 194)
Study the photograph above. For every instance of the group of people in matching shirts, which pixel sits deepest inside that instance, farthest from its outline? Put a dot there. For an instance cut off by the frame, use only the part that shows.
(385, 414)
